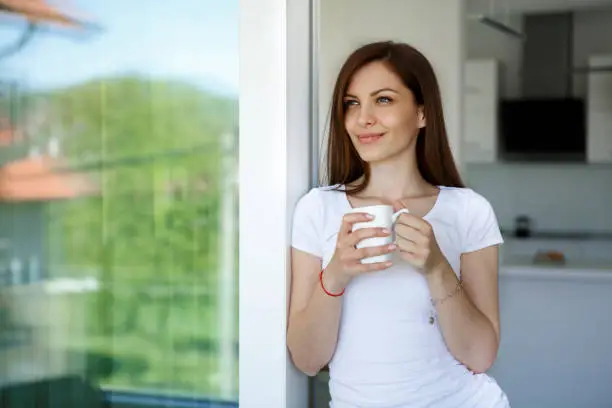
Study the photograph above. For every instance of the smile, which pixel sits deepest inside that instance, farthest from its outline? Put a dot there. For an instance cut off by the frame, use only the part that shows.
(368, 138)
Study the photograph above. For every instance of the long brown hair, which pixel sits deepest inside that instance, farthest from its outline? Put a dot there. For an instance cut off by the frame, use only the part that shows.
(434, 157)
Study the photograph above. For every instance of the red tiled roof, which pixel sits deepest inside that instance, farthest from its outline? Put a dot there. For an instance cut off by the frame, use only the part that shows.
(33, 179)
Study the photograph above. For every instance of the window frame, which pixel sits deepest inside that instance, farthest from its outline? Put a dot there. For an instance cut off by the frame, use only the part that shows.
(275, 152)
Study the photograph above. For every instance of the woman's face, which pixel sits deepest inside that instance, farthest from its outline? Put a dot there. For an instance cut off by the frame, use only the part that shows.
(381, 115)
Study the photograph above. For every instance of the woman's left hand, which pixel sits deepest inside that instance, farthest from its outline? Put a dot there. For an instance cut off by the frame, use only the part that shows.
(417, 243)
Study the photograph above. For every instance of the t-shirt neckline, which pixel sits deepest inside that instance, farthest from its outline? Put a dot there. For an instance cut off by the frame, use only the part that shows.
(427, 215)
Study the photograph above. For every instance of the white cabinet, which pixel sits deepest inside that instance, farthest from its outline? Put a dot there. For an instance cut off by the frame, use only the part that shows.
(556, 330)
(481, 90)
(599, 111)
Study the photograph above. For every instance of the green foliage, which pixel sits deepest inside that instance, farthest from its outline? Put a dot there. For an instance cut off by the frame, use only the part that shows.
(151, 236)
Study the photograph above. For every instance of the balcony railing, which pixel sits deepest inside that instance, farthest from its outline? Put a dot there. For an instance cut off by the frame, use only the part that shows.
(121, 399)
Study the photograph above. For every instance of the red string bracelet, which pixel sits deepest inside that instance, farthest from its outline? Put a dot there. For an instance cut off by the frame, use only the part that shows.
(325, 290)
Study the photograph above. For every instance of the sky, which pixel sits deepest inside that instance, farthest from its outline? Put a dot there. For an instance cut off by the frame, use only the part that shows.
(195, 40)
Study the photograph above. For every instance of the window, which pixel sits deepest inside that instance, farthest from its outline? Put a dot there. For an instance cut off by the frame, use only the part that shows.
(120, 198)
(120, 204)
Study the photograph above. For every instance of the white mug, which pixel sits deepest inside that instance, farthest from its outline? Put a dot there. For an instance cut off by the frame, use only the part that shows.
(384, 217)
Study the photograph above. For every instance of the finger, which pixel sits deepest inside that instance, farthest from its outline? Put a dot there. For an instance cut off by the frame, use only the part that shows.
(409, 257)
(368, 252)
(413, 221)
(355, 237)
(377, 266)
(408, 233)
(405, 245)
(349, 219)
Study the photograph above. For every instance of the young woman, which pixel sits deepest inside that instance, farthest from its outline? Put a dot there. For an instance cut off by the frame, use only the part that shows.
(421, 330)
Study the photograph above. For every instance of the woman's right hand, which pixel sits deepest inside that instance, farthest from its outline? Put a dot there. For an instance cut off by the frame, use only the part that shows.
(346, 261)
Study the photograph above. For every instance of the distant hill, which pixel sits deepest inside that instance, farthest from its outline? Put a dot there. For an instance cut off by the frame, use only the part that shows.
(127, 116)
(165, 205)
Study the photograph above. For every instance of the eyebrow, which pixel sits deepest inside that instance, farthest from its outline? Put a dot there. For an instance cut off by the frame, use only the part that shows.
(375, 92)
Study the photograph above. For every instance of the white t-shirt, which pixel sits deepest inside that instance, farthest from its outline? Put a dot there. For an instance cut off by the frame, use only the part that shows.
(390, 351)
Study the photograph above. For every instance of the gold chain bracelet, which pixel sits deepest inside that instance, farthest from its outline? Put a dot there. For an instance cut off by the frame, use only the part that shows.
(450, 295)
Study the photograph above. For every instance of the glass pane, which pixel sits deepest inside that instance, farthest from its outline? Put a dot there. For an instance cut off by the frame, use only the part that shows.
(118, 198)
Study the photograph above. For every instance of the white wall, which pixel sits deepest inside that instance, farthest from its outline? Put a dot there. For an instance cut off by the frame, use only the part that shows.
(559, 197)
(436, 28)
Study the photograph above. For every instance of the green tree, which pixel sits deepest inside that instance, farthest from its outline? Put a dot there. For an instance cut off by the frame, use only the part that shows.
(153, 147)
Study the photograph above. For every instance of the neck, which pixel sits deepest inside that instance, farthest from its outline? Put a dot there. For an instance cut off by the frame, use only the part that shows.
(397, 177)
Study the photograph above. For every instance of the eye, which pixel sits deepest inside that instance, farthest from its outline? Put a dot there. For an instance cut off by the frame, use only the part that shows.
(350, 102)
(384, 100)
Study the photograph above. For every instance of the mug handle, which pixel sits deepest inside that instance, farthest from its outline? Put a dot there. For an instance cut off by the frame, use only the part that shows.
(396, 215)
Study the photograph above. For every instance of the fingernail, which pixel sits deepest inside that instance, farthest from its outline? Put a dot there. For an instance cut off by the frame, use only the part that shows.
(386, 231)
(389, 263)
(369, 216)
(392, 247)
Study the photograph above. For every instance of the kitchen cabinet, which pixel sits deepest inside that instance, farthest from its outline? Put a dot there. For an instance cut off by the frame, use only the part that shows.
(599, 111)
(556, 330)
(481, 95)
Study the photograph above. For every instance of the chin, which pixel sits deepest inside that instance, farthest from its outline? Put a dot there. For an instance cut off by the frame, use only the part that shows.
(378, 154)
(374, 156)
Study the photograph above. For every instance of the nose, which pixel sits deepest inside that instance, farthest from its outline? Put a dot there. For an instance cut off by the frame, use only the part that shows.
(366, 117)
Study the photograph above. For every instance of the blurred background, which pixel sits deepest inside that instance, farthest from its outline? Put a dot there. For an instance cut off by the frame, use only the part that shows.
(118, 153)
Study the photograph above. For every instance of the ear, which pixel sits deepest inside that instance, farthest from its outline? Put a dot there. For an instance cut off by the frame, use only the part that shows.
(422, 120)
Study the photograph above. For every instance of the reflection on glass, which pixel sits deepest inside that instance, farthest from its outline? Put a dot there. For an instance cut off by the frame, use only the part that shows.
(118, 201)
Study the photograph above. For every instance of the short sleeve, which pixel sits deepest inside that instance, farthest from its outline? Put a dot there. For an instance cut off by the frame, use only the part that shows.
(305, 234)
(481, 228)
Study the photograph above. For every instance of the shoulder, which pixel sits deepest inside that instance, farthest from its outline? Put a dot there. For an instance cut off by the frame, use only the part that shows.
(310, 198)
(313, 217)
(320, 196)
(318, 202)
(468, 200)
(477, 222)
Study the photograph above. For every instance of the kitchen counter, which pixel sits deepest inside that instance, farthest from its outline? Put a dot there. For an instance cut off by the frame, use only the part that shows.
(560, 235)
(571, 270)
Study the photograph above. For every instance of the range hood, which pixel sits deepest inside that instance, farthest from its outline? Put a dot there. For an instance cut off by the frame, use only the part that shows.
(548, 55)
(548, 50)
(497, 25)
(547, 123)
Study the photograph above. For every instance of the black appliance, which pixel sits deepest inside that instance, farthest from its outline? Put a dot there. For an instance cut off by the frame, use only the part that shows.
(522, 226)
(542, 129)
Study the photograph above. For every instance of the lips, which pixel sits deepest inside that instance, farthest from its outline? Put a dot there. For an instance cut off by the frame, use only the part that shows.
(368, 138)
